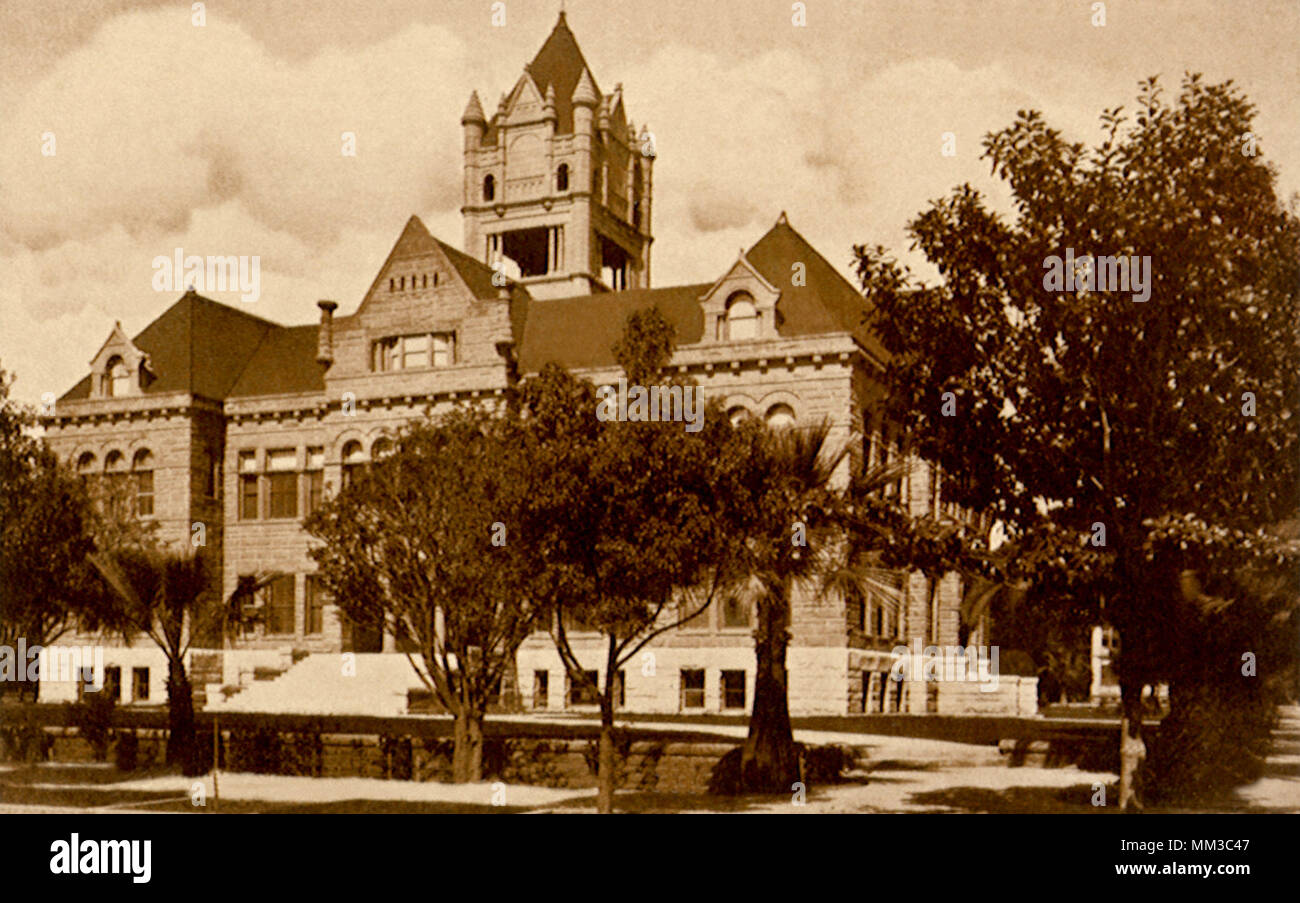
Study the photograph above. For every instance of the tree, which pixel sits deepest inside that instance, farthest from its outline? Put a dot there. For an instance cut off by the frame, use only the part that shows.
(1099, 420)
(634, 522)
(164, 595)
(428, 541)
(791, 536)
(45, 535)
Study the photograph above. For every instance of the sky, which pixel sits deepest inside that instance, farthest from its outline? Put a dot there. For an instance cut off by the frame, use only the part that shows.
(225, 138)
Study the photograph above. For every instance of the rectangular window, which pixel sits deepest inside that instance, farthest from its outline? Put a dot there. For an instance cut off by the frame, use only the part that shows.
(279, 617)
(413, 352)
(314, 605)
(140, 684)
(541, 689)
(583, 692)
(315, 478)
(113, 682)
(443, 350)
(735, 612)
(692, 688)
(211, 475)
(284, 495)
(620, 689)
(247, 485)
(283, 483)
(144, 493)
(733, 689)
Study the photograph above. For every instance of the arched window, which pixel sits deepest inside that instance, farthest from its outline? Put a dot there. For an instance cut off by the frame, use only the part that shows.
(86, 465)
(489, 187)
(353, 458)
(117, 378)
(742, 318)
(738, 415)
(142, 470)
(780, 416)
(382, 448)
(115, 477)
(562, 177)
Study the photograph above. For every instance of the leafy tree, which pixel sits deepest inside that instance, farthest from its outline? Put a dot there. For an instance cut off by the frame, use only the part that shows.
(428, 542)
(163, 594)
(634, 522)
(1168, 423)
(45, 535)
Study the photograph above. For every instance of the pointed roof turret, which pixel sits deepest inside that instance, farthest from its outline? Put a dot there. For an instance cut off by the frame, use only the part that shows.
(473, 111)
(585, 92)
(548, 105)
(560, 63)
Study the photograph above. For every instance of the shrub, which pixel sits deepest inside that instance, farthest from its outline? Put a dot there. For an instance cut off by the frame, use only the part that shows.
(127, 750)
(724, 780)
(1214, 739)
(24, 739)
(824, 764)
(396, 752)
(256, 750)
(93, 719)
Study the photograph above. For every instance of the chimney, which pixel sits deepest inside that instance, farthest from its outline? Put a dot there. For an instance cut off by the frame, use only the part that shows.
(325, 338)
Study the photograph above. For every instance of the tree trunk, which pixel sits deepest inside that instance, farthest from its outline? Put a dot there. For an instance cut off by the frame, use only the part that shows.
(467, 752)
(606, 760)
(1132, 750)
(180, 718)
(769, 762)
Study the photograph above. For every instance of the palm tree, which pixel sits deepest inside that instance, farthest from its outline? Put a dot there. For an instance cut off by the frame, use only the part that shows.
(160, 593)
(791, 532)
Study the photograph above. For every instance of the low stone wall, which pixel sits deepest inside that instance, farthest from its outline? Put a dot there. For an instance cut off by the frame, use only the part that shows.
(670, 766)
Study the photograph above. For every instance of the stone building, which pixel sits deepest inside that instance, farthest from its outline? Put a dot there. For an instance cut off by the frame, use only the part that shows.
(237, 427)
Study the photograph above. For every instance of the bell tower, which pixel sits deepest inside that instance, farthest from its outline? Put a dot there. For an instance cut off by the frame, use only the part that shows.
(558, 183)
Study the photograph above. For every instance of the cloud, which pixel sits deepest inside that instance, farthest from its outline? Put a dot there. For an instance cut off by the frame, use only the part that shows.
(227, 139)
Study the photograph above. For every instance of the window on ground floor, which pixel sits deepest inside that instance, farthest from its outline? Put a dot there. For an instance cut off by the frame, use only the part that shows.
(113, 681)
(140, 684)
(733, 689)
(620, 688)
(314, 605)
(583, 692)
(279, 613)
(541, 689)
(692, 688)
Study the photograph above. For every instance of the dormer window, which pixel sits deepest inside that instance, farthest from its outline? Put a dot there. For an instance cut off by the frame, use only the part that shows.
(117, 377)
(742, 318)
(562, 177)
(489, 188)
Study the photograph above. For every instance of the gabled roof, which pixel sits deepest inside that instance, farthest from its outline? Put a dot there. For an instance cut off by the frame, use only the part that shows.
(197, 346)
(581, 331)
(416, 241)
(826, 302)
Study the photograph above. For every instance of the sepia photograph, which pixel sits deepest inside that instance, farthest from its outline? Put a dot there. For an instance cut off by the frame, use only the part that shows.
(458, 408)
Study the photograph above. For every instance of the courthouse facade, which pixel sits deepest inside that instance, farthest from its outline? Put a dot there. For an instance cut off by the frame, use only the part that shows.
(219, 418)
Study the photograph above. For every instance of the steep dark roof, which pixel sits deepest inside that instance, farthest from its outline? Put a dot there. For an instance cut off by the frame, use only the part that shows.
(581, 331)
(560, 64)
(826, 302)
(197, 346)
(284, 363)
